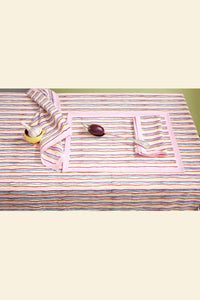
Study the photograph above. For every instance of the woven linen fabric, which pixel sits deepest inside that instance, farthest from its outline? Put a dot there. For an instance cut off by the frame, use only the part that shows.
(149, 129)
(50, 118)
(26, 184)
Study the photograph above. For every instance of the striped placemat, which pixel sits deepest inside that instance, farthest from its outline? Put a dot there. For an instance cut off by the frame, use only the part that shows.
(86, 152)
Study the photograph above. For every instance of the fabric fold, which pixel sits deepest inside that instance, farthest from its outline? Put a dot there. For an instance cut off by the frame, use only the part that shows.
(149, 129)
(50, 118)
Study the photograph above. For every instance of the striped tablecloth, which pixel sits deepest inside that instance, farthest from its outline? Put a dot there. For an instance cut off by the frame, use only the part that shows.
(97, 175)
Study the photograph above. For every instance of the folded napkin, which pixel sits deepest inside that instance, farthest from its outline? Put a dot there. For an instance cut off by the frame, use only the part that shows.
(50, 118)
(149, 129)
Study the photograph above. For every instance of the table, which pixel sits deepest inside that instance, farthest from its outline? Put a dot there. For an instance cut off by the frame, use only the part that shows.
(25, 184)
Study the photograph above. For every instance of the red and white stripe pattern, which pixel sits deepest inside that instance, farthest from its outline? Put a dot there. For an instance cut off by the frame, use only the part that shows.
(50, 118)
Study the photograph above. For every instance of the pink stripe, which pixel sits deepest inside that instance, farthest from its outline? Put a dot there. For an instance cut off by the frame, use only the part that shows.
(67, 146)
(174, 142)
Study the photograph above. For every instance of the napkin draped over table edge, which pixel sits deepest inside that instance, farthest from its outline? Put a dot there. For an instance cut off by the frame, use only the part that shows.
(50, 118)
